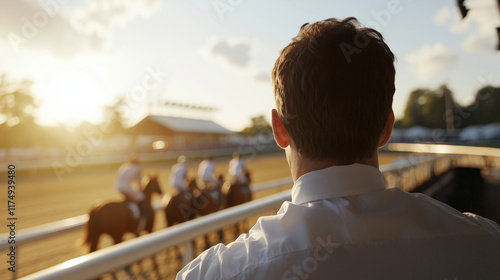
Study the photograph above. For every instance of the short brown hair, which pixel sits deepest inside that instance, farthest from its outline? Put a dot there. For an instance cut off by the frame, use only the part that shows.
(333, 89)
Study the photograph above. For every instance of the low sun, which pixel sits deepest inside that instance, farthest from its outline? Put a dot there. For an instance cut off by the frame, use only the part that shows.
(72, 96)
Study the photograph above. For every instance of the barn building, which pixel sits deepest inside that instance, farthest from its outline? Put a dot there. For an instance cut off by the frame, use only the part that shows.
(179, 134)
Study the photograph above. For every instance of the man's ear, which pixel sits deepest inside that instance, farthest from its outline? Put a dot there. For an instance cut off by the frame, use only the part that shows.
(279, 131)
(386, 134)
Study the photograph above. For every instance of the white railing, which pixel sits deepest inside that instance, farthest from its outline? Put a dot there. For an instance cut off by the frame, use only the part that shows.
(117, 256)
(445, 149)
(114, 257)
(43, 231)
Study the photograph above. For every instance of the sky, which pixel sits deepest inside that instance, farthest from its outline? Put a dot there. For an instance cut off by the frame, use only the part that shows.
(82, 55)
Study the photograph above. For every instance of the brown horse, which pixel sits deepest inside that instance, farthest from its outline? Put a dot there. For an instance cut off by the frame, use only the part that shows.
(115, 218)
(209, 199)
(179, 206)
(236, 194)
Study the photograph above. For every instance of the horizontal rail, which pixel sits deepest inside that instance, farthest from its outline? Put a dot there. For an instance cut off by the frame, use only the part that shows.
(114, 257)
(444, 149)
(272, 184)
(46, 230)
(407, 163)
(54, 228)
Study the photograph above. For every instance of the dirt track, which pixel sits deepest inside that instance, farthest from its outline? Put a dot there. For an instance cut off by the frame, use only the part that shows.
(42, 198)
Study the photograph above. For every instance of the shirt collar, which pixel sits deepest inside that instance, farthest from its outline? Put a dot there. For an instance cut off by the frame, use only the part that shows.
(337, 181)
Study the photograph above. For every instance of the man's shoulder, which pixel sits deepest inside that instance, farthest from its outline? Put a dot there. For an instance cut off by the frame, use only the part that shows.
(451, 216)
(485, 223)
(273, 240)
(246, 252)
(325, 228)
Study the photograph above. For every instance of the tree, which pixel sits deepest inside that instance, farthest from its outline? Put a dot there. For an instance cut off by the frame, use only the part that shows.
(17, 107)
(484, 109)
(114, 119)
(428, 108)
(258, 124)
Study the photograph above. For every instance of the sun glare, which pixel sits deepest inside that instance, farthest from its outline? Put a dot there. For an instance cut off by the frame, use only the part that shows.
(72, 96)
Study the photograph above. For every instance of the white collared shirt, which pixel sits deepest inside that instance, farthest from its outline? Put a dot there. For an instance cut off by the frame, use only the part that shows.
(342, 223)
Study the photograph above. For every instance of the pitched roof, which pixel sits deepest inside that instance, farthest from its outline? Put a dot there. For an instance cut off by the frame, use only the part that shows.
(186, 125)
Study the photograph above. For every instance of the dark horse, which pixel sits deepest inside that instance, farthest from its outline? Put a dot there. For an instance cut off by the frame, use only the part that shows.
(179, 207)
(200, 201)
(115, 218)
(236, 194)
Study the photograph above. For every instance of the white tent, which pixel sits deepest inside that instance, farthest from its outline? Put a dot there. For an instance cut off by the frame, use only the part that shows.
(470, 133)
(491, 131)
(418, 133)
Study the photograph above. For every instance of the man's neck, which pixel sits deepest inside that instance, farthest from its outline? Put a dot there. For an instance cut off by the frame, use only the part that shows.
(300, 165)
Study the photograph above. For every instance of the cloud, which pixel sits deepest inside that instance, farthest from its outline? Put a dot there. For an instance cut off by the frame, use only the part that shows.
(263, 77)
(431, 60)
(482, 19)
(452, 18)
(65, 30)
(444, 15)
(102, 16)
(484, 13)
(237, 54)
(479, 43)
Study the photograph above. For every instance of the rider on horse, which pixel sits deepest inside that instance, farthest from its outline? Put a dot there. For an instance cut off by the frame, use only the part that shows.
(127, 174)
(206, 173)
(178, 175)
(238, 170)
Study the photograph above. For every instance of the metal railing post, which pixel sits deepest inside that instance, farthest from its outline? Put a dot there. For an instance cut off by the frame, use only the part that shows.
(188, 252)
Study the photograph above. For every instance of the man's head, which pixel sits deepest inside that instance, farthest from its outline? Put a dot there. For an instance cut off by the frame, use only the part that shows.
(333, 89)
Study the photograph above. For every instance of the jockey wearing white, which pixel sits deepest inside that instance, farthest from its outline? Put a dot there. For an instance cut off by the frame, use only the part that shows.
(206, 171)
(127, 174)
(237, 170)
(178, 175)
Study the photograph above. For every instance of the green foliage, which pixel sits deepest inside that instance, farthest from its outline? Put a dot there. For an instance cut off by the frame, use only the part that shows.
(434, 108)
(258, 124)
(426, 108)
(484, 109)
(17, 105)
